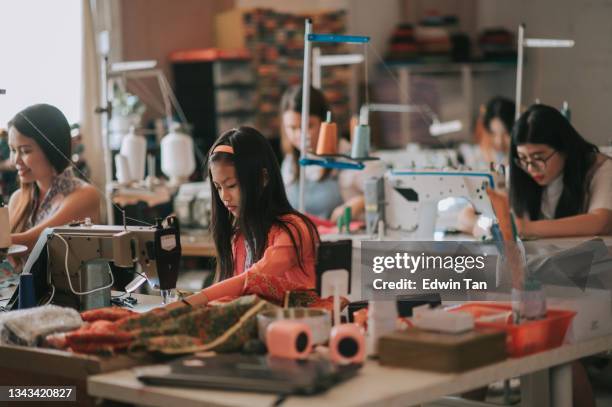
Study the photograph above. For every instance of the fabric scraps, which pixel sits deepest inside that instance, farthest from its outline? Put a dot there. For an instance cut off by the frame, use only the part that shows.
(106, 314)
(98, 337)
(28, 327)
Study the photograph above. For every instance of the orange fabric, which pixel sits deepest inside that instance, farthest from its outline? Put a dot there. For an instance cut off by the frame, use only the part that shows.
(501, 207)
(279, 260)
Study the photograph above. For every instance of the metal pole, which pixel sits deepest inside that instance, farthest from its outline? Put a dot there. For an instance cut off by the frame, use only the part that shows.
(106, 118)
(316, 72)
(163, 86)
(519, 69)
(305, 139)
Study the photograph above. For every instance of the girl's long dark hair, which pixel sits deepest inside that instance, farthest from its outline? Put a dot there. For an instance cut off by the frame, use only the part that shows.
(262, 204)
(542, 124)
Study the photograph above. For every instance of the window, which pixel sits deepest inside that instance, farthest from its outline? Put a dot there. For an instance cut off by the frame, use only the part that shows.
(40, 56)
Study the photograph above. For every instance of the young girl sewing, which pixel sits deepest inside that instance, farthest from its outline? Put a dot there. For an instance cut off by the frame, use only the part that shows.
(49, 195)
(254, 227)
(560, 185)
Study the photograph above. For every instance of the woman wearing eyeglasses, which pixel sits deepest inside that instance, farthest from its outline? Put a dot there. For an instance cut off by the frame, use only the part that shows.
(560, 184)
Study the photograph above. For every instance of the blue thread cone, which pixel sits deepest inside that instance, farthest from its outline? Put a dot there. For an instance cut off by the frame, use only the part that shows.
(26, 291)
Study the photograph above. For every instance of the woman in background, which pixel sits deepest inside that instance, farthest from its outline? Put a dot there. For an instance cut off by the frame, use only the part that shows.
(49, 194)
(498, 121)
(560, 184)
(327, 192)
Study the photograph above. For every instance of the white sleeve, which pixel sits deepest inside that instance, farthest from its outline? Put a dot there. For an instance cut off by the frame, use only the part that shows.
(600, 188)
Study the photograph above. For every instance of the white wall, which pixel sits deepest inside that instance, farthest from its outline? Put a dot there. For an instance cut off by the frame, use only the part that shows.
(581, 75)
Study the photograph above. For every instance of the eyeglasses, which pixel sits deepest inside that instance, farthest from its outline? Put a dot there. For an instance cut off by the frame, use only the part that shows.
(538, 164)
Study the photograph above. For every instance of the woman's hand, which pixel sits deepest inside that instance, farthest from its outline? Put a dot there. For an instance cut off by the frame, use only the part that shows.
(336, 213)
(357, 205)
(525, 227)
(466, 220)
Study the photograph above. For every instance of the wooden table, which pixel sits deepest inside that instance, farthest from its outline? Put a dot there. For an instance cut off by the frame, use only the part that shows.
(23, 366)
(375, 385)
(198, 245)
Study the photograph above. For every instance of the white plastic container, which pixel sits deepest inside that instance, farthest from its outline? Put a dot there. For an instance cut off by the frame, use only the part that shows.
(134, 147)
(122, 169)
(177, 156)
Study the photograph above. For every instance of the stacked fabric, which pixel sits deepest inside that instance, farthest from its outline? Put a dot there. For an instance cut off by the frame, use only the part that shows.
(276, 41)
(403, 44)
(433, 35)
(498, 44)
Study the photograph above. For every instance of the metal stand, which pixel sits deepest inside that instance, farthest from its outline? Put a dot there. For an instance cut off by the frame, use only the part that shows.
(531, 43)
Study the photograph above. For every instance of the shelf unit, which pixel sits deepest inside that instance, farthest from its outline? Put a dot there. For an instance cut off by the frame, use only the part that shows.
(216, 90)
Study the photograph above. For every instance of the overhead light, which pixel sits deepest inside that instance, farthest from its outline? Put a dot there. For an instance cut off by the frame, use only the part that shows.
(522, 43)
(438, 128)
(343, 59)
(546, 43)
(129, 66)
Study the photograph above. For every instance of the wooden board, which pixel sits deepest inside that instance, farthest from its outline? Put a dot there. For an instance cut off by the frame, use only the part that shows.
(438, 352)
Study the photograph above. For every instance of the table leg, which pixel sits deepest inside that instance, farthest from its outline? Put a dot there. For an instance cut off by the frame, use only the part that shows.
(561, 385)
(534, 390)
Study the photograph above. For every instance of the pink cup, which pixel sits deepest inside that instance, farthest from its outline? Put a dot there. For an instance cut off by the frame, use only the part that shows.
(347, 344)
(289, 339)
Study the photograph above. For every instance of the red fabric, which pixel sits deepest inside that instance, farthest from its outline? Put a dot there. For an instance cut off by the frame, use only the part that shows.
(355, 225)
(106, 314)
(99, 336)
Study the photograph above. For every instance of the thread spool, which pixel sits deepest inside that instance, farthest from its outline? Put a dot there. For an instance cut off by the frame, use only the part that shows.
(361, 142)
(5, 228)
(26, 291)
(289, 339)
(347, 344)
(327, 144)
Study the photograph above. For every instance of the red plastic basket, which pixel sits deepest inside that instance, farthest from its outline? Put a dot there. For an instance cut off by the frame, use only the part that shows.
(528, 337)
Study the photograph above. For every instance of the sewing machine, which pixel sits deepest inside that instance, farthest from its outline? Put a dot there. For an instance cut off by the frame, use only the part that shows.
(192, 205)
(70, 264)
(409, 201)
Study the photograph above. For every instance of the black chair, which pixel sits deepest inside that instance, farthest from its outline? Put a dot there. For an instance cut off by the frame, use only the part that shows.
(333, 256)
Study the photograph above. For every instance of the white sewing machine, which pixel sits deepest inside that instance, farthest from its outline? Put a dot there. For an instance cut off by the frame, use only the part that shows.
(409, 205)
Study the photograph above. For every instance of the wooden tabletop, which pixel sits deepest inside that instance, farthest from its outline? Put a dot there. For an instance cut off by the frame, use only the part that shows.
(198, 245)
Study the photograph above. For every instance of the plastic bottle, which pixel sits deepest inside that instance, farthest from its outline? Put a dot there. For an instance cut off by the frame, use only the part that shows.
(134, 147)
(177, 155)
(529, 303)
